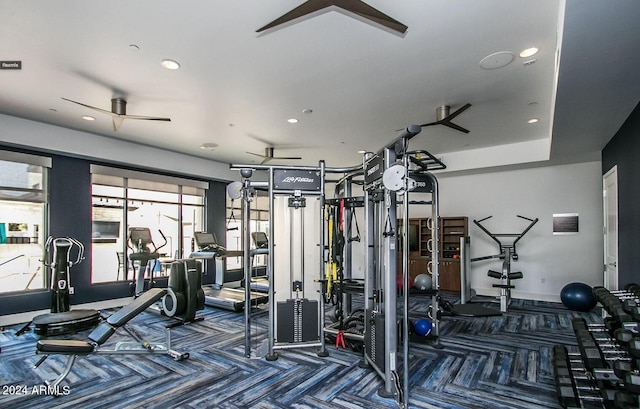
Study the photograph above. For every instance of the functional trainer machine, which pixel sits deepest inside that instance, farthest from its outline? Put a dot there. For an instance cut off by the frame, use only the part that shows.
(392, 172)
(296, 303)
(75, 348)
(299, 290)
(507, 253)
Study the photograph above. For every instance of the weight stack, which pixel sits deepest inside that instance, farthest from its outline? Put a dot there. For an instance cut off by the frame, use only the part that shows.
(297, 321)
(374, 338)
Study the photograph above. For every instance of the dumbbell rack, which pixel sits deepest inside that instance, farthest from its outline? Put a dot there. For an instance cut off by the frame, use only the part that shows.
(603, 369)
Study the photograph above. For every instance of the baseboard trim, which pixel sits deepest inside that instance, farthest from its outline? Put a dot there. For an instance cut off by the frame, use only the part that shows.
(24, 317)
(494, 292)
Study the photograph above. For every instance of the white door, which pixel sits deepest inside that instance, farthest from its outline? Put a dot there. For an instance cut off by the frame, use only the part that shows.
(610, 185)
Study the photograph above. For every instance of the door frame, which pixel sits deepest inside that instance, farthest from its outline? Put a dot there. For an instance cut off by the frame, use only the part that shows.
(610, 273)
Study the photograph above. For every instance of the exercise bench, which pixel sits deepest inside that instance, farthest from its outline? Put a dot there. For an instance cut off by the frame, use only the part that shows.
(104, 331)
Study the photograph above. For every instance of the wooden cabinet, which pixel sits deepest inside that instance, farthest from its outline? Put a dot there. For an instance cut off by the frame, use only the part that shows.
(449, 275)
(420, 233)
(451, 229)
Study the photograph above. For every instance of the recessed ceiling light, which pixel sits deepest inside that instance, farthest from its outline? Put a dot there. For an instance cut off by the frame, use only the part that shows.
(134, 48)
(292, 120)
(532, 120)
(208, 146)
(528, 52)
(88, 118)
(307, 111)
(362, 152)
(170, 64)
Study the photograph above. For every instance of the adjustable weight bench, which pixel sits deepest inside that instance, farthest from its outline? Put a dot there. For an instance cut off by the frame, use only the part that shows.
(104, 331)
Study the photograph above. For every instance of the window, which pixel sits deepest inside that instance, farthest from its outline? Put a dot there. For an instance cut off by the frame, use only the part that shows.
(23, 224)
(258, 221)
(171, 208)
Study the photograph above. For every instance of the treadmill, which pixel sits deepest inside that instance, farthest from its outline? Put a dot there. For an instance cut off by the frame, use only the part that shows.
(217, 295)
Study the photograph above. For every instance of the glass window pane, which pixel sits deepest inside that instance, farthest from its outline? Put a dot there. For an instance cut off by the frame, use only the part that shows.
(107, 191)
(192, 221)
(162, 222)
(195, 200)
(21, 238)
(152, 186)
(23, 195)
(149, 195)
(21, 175)
(150, 204)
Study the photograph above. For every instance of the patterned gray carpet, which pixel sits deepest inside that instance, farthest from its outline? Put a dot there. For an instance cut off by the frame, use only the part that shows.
(488, 362)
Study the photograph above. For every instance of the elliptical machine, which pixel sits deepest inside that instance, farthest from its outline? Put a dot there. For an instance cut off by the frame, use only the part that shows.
(184, 292)
(61, 319)
(139, 241)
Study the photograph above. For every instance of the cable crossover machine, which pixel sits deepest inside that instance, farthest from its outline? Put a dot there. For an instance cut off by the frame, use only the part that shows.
(310, 262)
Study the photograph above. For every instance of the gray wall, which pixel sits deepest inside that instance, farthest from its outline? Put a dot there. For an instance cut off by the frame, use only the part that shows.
(623, 151)
(548, 261)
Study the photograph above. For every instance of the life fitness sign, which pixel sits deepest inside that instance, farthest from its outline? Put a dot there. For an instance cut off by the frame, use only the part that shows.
(293, 179)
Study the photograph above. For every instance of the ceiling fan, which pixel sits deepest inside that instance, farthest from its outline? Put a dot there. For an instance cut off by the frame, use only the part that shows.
(269, 155)
(444, 117)
(357, 7)
(119, 112)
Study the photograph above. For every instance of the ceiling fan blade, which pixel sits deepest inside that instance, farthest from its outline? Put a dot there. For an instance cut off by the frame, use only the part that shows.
(104, 111)
(148, 118)
(287, 157)
(428, 124)
(257, 154)
(265, 160)
(308, 7)
(362, 9)
(454, 126)
(458, 112)
(117, 121)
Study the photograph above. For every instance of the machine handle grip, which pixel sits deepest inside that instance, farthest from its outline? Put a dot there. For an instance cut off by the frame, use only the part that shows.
(163, 238)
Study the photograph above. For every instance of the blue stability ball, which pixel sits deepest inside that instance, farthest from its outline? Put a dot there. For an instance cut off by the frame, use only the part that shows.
(422, 327)
(578, 297)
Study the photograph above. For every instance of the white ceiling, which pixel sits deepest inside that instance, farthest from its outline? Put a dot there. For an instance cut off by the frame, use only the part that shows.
(236, 88)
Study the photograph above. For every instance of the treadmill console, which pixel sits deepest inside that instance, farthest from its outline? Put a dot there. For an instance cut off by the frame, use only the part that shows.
(260, 239)
(207, 242)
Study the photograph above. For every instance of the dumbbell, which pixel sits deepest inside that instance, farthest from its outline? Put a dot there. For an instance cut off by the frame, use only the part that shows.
(632, 382)
(621, 368)
(634, 348)
(633, 288)
(591, 355)
(628, 304)
(623, 336)
(565, 385)
(623, 400)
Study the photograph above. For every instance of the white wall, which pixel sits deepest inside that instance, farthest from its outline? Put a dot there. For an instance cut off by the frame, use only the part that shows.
(548, 261)
(24, 133)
